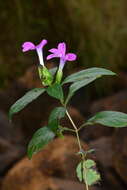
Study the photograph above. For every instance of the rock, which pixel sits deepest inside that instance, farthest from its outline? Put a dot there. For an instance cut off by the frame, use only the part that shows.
(10, 150)
(1, 183)
(120, 153)
(5, 126)
(104, 152)
(68, 184)
(94, 132)
(49, 169)
(9, 153)
(120, 82)
(116, 102)
(8, 130)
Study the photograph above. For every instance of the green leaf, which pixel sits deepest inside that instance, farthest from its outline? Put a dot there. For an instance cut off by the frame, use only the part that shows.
(86, 173)
(55, 91)
(88, 73)
(57, 113)
(92, 176)
(79, 172)
(25, 100)
(89, 163)
(77, 85)
(41, 138)
(109, 118)
(55, 116)
(82, 78)
(54, 125)
(90, 151)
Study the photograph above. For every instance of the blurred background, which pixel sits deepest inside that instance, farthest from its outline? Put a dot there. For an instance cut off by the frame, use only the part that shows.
(97, 32)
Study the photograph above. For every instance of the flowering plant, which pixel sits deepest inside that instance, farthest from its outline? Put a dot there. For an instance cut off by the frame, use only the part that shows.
(53, 82)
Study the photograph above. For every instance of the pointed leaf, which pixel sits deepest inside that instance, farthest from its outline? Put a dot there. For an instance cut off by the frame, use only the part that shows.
(55, 91)
(54, 125)
(89, 163)
(92, 177)
(88, 73)
(79, 172)
(41, 138)
(77, 85)
(109, 118)
(86, 173)
(25, 100)
(56, 114)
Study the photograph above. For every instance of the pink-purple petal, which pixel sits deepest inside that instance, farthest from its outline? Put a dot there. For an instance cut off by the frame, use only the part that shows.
(28, 46)
(70, 57)
(62, 48)
(42, 44)
(53, 50)
(50, 56)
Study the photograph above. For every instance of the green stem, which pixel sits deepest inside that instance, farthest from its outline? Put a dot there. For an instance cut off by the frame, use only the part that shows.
(76, 130)
(79, 144)
(67, 129)
(82, 126)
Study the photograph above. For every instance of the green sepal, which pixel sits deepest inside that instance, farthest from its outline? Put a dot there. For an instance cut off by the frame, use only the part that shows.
(45, 76)
(59, 76)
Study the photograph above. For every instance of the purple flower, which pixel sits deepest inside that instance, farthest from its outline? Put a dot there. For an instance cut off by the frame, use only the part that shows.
(27, 46)
(60, 52)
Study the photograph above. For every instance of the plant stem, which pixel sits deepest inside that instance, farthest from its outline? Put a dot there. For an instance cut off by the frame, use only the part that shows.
(79, 144)
(67, 129)
(82, 126)
(76, 130)
(83, 158)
